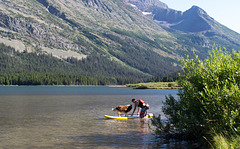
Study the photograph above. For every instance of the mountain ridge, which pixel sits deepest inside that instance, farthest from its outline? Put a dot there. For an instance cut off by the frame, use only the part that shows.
(116, 31)
(193, 20)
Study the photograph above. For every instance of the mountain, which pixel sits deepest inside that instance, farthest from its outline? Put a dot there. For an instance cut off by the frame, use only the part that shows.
(138, 39)
(194, 20)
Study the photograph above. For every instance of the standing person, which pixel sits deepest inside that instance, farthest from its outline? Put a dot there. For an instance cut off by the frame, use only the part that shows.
(137, 103)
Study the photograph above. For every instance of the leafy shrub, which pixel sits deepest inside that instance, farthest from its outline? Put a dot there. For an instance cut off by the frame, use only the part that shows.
(209, 98)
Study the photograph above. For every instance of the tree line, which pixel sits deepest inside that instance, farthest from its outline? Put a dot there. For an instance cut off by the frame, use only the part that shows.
(58, 79)
(41, 69)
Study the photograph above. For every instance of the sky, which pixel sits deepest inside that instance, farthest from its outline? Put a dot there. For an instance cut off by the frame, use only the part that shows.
(226, 12)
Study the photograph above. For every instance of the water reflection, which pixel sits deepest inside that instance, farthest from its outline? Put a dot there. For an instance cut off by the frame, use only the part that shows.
(74, 121)
(117, 133)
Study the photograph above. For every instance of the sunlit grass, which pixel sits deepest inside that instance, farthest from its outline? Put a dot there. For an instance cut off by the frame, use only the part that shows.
(222, 142)
(155, 85)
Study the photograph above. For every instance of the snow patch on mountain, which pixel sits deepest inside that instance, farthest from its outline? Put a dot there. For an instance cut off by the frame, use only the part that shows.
(133, 5)
(147, 13)
(169, 24)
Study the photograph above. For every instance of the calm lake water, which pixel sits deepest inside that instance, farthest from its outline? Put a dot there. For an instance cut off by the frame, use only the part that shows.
(73, 117)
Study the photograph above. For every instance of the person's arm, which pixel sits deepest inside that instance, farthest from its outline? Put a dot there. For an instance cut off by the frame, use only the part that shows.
(138, 110)
(134, 109)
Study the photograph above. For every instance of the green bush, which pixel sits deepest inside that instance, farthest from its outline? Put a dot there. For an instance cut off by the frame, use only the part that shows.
(209, 98)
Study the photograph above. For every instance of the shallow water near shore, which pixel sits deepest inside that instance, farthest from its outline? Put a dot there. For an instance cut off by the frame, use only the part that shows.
(73, 117)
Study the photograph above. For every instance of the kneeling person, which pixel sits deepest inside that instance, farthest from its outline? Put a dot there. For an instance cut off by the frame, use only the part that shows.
(144, 109)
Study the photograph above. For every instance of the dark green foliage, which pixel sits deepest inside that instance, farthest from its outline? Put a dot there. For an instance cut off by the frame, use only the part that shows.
(209, 98)
(63, 72)
(171, 77)
(59, 79)
(53, 79)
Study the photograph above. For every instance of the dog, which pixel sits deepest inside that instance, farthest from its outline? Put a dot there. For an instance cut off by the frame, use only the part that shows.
(122, 109)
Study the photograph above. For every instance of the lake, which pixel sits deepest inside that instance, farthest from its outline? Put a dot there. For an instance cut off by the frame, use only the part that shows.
(73, 117)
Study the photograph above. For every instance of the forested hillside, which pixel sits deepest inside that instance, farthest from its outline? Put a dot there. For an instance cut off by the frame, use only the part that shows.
(40, 69)
(103, 39)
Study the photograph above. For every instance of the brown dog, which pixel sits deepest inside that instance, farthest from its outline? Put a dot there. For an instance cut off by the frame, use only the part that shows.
(122, 109)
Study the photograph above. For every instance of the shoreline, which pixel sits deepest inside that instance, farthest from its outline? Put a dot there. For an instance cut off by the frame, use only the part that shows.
(155, 85)
(149, 85)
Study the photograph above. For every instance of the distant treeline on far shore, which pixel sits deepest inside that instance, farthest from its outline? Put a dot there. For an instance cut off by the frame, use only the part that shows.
(67, 79)
(59, 79)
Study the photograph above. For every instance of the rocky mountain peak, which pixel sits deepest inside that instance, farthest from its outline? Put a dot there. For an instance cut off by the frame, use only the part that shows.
(194, 19)
(196, 11)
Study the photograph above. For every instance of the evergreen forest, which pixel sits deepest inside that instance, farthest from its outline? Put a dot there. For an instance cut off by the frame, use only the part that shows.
(41, 69)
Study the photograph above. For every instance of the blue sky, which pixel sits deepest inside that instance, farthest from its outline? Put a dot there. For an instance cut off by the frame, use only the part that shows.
(226, 12)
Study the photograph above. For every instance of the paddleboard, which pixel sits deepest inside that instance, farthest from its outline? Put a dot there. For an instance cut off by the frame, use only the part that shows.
(150, 115)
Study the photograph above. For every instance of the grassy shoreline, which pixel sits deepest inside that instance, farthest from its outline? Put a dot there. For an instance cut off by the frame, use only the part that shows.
(155, 85)
(149, 85)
